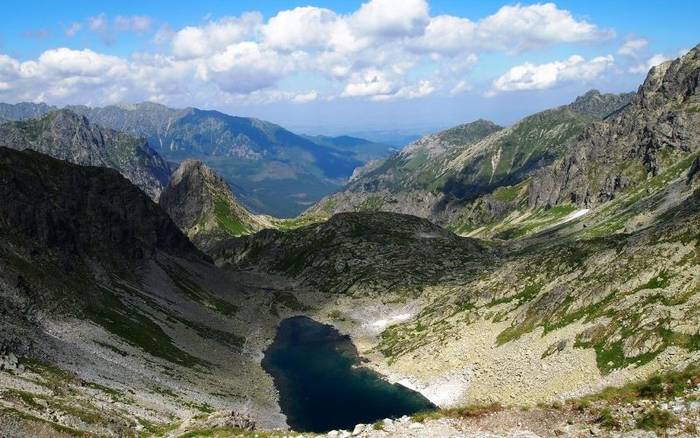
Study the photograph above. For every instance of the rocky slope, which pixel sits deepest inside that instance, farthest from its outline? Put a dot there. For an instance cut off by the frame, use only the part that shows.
(201, 203)
(358, 254)
(70, 137)
(626, 161)
(112, 322)
(440, 175)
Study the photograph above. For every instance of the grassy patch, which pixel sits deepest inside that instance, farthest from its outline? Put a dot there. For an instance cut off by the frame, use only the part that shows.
(657, 420)
(469, 411)
(57, 427)
(227, 432)
(227, 219)
(138, 330)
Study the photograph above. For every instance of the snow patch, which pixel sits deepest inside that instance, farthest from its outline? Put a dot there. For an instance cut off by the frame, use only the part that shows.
(445, 391)
(383, 323)
(575, 215)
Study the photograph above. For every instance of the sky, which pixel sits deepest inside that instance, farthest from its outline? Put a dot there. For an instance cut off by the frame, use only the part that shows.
(336, 67)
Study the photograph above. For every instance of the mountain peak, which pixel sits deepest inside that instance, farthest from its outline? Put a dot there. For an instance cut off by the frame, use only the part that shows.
(600, 105)
(202, 204)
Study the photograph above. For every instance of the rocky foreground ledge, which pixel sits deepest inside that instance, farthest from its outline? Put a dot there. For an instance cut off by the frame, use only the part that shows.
(663, 410)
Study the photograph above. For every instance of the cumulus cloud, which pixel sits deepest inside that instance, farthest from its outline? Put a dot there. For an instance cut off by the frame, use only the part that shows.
(412, 91)
(197, 41)
(541, 76)
(389, 18)
(644, 67)
(244, 67)
(384, 50)
(304, 27)
(519, 27)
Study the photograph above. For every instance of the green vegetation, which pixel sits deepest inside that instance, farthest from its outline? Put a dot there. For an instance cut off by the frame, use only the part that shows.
(227, 219)
(227, 432)
(528, 293)
(372, 203)
(507, 193)
(138, 330)
(657, 419)
(469, 411)
(537, 221)
(191, 288)
(30, 418)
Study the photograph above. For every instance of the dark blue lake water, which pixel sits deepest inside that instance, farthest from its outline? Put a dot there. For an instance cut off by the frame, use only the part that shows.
(322, 387)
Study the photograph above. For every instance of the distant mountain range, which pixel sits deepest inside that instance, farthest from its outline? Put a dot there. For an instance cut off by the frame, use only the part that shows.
(273, 170)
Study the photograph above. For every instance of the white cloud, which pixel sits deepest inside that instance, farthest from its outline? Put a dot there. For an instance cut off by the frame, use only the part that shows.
(244, 67)
(194, 41)
(518, 27)
(644, 67)
(461, 87)
(447, 35)
(413, 91)
(368, 83)
(538, 77)
(384, 50)
(304, 27)
(632, 47)
(391, 18)
(97, 23)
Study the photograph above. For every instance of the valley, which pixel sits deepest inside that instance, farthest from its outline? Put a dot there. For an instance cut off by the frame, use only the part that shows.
(541, 279)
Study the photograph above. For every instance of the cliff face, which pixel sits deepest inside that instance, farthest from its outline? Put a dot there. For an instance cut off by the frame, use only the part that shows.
(658, 129)
(202, 204)
(81, 210)
(67, 136)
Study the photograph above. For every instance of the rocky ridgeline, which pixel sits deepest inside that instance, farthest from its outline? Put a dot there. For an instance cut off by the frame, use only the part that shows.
(67, 136)
(444, 176)
(659, 128)
(83, 211)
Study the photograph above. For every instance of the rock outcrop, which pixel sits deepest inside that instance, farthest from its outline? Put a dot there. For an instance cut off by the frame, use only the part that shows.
(372, 252)
(202, 204)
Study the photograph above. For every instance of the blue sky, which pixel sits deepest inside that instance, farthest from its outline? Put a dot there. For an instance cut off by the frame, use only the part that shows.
(338, 66)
